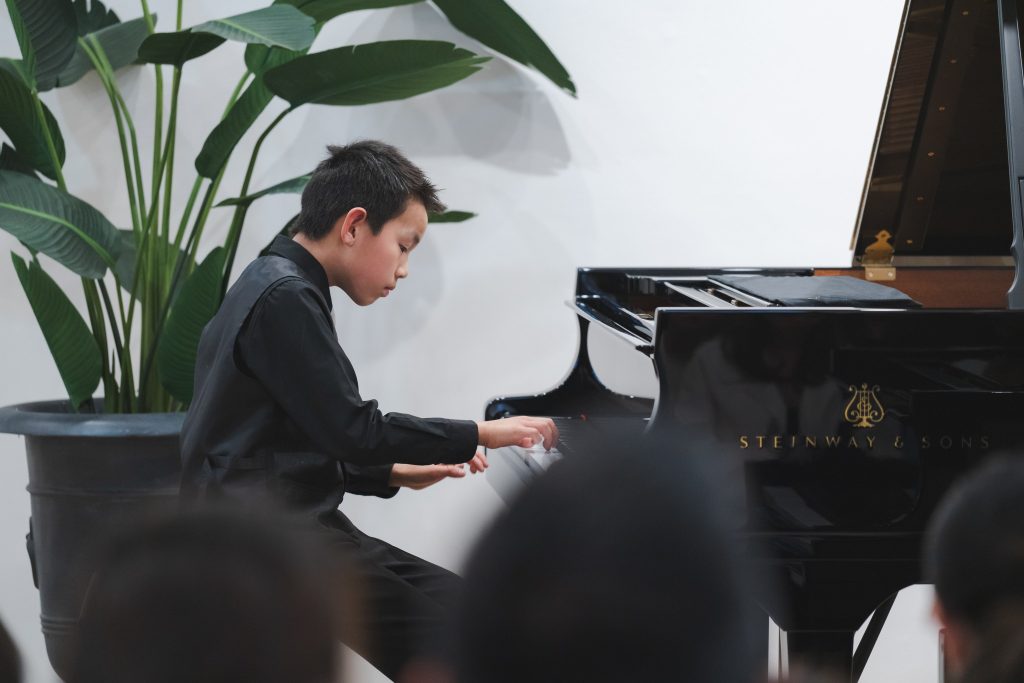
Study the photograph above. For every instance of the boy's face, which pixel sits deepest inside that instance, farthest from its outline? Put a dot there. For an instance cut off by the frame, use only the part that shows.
(377, 262)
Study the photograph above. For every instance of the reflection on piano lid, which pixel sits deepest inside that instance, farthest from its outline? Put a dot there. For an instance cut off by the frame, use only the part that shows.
(844, 424)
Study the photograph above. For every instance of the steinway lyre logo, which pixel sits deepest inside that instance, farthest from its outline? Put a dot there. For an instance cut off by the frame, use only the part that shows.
(864, 409)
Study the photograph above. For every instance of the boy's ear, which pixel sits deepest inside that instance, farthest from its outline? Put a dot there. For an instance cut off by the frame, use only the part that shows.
(351, 223)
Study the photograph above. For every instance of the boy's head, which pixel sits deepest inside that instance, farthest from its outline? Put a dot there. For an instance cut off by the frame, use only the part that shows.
(364, 209)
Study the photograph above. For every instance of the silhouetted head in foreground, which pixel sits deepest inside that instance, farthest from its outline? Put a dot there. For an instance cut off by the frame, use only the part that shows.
(206, 598)
(613, 567)
(975, 557)
(10, 660)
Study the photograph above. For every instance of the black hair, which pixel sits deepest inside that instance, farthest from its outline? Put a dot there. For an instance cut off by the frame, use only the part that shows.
(369, 174)
(613, 569)
(10, 660)
(206, 598)
(974, 554)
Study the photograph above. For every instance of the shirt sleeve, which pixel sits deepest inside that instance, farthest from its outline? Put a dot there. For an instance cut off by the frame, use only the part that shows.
(369, 480)
(289, 346)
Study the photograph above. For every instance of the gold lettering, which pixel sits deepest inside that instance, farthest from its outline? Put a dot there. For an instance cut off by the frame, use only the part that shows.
(776, 441)
(984, 442)
(811, 441)
(898, 443)
(966, 441)
(925, 443)
(792, 441)
(760, 441)
(744, 442)
(832, 441)
(852, 443)
(871, 441)
(946, 442)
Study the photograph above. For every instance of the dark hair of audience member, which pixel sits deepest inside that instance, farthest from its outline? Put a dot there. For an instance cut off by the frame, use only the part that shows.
(614, 567)
(10, 661)
(206, 598)
(974, 555)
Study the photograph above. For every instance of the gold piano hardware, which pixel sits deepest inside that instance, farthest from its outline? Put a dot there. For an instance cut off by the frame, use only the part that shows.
(877, 259)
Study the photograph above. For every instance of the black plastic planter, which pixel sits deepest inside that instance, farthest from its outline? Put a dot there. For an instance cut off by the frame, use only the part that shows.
(89, 474)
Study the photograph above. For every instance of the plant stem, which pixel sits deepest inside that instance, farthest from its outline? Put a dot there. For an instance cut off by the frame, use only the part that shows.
(115, 93)
(235, 232)
(118, 347)
(99, 333)
(158, 111)
(126, 162)
(172, 125)
(149, 346)
(148, 16)
(179, 235)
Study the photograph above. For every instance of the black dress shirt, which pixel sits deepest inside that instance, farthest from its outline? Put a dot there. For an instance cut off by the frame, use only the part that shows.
(276, 407)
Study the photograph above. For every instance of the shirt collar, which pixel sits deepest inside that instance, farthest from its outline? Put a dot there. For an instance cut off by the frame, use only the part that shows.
(296, 253)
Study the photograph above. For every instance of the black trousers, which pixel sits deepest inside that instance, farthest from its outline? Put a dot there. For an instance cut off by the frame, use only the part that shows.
(397, 605)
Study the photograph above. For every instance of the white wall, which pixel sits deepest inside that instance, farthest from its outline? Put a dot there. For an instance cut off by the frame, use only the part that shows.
(705, 133)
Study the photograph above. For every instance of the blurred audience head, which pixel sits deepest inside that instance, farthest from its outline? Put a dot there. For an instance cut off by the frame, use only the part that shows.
(208, 597)
(614, 567)
(10, 661)
(974, 555)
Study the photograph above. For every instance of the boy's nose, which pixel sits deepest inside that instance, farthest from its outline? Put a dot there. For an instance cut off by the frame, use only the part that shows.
(401, 272)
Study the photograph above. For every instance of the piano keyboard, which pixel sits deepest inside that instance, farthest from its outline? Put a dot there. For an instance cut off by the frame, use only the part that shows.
(512, 467)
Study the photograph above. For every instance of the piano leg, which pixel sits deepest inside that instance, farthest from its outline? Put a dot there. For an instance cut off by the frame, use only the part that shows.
(832, 650)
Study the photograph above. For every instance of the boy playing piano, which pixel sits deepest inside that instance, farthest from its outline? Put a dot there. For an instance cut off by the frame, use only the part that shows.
(277, 409)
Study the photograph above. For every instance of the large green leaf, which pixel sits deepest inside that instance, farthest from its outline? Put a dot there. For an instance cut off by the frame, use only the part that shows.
(72, 345)
(292, 185)
(225, 136)
(18, 118)
(223, 139)
(450, 216)
(16, 68)
(92, 15)
(277, 25)
(497, 26)
(194, 306)
(120, 42)
(11, 161)
(259, 58)
(325, 10)
(375, 72)
(176, 48)
(46, 32)
(57, 224)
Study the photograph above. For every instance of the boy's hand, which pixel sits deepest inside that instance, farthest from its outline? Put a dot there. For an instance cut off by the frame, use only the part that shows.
(418, 477)
(518, 431)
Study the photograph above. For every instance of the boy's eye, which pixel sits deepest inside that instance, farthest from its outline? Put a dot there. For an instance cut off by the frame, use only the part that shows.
(403, 248)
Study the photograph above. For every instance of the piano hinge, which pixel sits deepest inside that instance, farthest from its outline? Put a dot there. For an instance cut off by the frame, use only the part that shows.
(877, 259)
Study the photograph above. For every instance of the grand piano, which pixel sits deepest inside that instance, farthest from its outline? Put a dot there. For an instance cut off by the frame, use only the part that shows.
(843, 401)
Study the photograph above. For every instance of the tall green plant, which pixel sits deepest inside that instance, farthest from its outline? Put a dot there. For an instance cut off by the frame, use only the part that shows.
(146, 280)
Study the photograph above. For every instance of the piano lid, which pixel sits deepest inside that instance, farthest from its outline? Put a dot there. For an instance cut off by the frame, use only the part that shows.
(938, 179)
